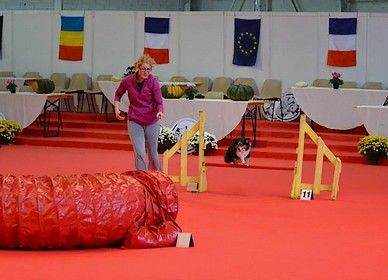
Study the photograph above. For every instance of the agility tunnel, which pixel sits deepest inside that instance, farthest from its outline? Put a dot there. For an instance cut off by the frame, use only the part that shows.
(134, 209)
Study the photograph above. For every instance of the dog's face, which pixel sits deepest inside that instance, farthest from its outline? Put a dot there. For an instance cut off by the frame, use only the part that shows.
(239, 150)
(241, 144)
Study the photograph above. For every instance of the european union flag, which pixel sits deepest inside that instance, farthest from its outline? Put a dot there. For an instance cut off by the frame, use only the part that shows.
(246, 41)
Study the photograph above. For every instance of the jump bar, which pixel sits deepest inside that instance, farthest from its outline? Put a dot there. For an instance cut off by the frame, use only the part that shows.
(249, 167)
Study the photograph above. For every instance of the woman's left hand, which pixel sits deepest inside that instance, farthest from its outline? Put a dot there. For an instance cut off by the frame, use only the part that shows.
(160, 115)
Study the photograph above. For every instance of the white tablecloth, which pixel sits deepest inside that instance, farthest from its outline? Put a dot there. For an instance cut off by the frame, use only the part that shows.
(23, 108)
(109, 89)
(222, 116)
(375, 119)
(335, 108)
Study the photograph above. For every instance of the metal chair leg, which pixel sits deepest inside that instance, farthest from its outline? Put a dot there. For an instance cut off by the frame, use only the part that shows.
(281, 109)
(273, 110)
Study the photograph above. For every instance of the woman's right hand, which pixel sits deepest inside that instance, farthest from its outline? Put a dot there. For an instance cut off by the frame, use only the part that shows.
(118, 116)
(117, 111)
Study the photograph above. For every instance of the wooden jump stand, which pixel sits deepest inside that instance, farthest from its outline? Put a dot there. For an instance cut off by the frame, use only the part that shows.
(322, 150)
(200, 181)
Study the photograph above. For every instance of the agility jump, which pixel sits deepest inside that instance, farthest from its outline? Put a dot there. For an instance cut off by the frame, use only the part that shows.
(183, 178)
(297, 185)
(322, 150)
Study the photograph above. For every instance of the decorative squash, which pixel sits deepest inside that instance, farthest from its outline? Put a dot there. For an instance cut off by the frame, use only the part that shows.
(44, 86)
(172, 91)
(240, 92)
(301, 84)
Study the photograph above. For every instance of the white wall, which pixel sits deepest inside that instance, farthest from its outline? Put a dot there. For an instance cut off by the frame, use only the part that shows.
(376, 6)
(112, 5)
(293, 46)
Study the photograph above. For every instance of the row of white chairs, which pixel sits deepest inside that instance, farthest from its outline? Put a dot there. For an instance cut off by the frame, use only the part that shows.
(218, 88)
(270, 91)
(349, 84)
(79, 84)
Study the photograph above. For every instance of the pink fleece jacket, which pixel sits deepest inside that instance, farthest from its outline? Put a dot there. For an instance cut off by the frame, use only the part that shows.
(143, 105)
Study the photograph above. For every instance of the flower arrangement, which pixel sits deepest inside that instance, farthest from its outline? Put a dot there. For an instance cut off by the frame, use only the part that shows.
(8, 131)
(336, 78)
(210, 141)
(373, 146)
(11, 86)
(190, 91)
(167, 139)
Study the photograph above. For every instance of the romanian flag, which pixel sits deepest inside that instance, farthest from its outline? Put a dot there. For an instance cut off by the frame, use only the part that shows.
(342, 42)
(71, 38)
(156, 37)
(246, 41)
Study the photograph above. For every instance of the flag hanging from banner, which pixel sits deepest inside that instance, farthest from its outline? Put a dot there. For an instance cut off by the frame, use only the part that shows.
(342, 42)
(1, 35)
(246, 41)
(156, 36)
(71, 38)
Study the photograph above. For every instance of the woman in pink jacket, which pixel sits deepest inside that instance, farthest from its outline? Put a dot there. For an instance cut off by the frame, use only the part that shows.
(144, 113)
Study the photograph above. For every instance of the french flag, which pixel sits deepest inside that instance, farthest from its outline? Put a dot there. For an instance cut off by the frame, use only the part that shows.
(156, 35)
(342, 42)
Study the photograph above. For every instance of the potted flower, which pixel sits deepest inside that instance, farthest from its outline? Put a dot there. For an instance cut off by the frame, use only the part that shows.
(210, 141)
(167, 139)
(8, 131)
(11, 86)
(190, 91)
(374, 147)
(335, 80)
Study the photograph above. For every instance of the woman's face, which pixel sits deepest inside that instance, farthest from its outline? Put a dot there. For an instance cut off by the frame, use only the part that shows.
(144, 70)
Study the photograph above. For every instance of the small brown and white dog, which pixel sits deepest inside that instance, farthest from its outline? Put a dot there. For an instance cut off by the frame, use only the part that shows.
(239, 152)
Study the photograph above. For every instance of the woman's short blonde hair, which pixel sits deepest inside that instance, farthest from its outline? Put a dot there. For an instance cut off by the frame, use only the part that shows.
(145, 58)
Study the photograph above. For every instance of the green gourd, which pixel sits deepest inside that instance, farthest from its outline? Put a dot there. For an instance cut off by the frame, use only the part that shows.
(44, 86)
(240, 92)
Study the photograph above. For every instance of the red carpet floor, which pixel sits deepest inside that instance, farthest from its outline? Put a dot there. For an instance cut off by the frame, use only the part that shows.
(244, 227)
